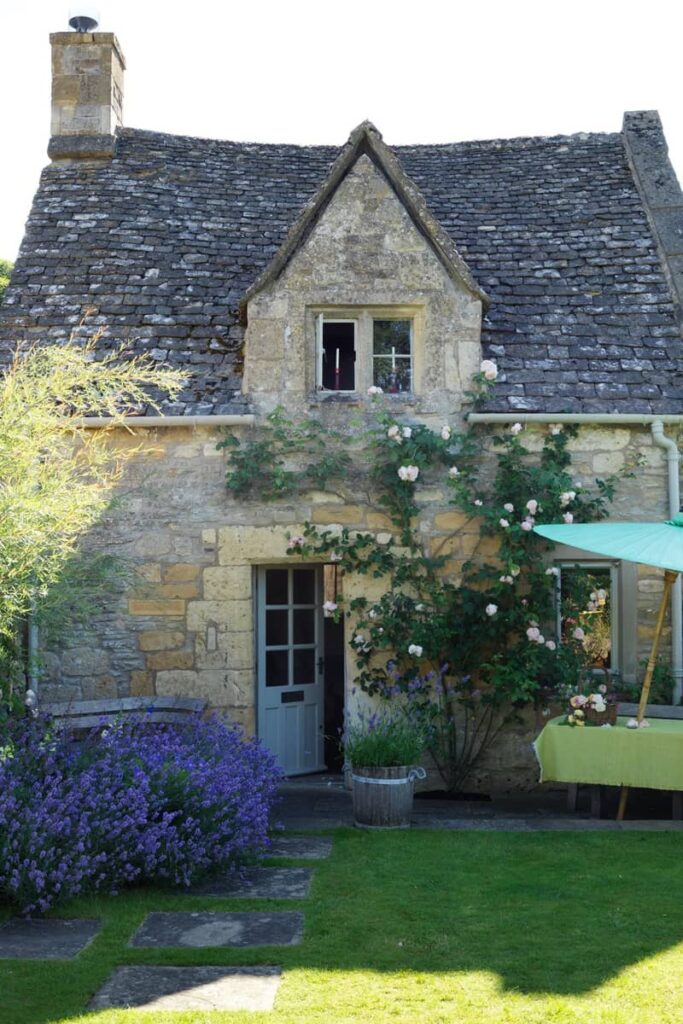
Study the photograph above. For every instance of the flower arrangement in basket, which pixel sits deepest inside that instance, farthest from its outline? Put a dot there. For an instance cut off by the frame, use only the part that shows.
(597, 708)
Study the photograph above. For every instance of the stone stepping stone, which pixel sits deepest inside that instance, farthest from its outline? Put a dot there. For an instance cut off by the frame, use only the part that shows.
(301, 847)
(189, 988)
(258, 884)
(208, 928)
(46, 939)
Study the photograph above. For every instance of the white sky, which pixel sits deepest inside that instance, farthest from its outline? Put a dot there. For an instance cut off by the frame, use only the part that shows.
(307, 71)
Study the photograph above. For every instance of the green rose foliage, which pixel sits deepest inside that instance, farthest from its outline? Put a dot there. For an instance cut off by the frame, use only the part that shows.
(451, 650)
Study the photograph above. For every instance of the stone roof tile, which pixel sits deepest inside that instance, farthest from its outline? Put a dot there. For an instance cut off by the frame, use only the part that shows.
(163, 243)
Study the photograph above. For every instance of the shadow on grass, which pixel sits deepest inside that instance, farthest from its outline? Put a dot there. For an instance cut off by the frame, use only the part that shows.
(545, 913)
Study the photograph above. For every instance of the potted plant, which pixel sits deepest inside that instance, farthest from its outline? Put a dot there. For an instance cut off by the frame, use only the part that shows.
(383, 749)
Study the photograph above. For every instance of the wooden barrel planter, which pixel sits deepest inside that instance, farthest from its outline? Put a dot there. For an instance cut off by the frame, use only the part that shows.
(383, 797)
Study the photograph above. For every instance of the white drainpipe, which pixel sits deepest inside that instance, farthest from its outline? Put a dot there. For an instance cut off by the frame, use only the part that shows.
(673, 457)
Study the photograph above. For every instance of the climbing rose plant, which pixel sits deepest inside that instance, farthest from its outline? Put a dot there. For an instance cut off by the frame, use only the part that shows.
(462, 634)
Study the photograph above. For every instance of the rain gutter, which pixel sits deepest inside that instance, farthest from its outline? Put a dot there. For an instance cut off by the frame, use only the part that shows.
(153, 422)
(673, 458)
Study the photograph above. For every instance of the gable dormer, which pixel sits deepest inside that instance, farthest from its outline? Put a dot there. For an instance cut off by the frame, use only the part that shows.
(367, 289)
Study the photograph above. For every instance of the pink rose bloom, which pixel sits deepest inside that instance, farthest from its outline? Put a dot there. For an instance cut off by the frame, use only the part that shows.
(568, 517)
(578, 701)
(394, 433)
(532, 506)
(555, 428)
(477, 501)
(410, 473)
(445, 433)
(407, 432)
(295, 542)
(489, 369)
(579, 634)
(533, 633)
(551, 645)
(329, 607)
(527, 525)
(509, 507)
(491, 609)
(374, 390)
(453, 472)
(553, 571)
(504, 523)
(516, 428)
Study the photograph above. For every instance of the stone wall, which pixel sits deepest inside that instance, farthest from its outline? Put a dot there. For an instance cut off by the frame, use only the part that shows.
(185, 623)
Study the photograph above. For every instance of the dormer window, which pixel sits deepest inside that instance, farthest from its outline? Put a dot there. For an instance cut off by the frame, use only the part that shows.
(392, 355)
(338, 354)
(364, 347)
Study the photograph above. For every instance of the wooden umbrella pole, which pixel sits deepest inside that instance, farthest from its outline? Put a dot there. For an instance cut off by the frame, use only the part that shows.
(669, 580)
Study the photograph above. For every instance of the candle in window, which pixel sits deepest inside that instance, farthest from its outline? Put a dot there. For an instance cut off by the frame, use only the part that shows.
(393, 358)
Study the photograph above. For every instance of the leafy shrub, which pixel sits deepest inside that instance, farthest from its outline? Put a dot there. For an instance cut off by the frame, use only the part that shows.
(135, 803)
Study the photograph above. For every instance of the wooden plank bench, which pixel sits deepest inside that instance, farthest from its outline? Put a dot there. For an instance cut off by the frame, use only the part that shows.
(80, 715)
(665, 711)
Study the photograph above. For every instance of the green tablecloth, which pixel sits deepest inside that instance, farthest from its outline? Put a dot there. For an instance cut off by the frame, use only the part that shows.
(650, 758)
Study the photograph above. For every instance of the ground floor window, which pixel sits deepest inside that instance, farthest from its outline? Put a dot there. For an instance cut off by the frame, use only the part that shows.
(588, 599)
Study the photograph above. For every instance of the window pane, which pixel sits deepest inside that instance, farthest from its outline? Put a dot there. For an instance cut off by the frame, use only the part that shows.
(276, 627)
(391, 334)
(392, 375)
(304, 586)
(304, 626)
(276, 586)
(339, 356)
(586, 603)
(277, 668)
(304, 667)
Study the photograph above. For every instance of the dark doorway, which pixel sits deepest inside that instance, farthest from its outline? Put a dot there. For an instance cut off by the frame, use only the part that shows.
(334, 693)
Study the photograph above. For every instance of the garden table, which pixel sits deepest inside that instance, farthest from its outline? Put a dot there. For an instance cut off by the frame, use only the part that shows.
(650, 758)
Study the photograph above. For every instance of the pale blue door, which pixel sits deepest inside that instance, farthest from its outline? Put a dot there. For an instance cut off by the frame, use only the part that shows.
(290, 665)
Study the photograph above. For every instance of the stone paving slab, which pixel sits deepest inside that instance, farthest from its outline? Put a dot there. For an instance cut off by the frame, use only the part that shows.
(301, 847)
(208, 928)
(258, 884)
(189, 988)
(46, 939)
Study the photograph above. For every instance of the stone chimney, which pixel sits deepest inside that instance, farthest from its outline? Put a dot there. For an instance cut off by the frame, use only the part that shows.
(87, 95)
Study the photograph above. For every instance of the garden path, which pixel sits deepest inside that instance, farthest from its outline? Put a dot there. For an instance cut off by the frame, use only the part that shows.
(219, 988)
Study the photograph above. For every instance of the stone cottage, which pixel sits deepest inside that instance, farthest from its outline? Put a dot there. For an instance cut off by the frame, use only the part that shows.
(301, 276)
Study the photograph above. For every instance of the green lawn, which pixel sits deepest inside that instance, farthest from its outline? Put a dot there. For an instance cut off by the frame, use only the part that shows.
(427, 928)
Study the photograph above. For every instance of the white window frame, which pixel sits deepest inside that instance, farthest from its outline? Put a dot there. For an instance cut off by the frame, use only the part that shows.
(320, 320)
(364, 317)
(616, 625)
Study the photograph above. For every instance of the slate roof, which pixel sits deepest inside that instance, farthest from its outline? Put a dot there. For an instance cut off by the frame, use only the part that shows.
(166, 239)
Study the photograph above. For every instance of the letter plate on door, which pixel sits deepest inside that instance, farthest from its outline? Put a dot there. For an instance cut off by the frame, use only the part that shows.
(291, 697)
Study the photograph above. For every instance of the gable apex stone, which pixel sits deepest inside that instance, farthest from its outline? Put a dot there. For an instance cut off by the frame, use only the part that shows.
(366, 140)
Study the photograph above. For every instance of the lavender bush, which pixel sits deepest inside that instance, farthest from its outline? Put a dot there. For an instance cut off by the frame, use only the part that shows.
(136, 802)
